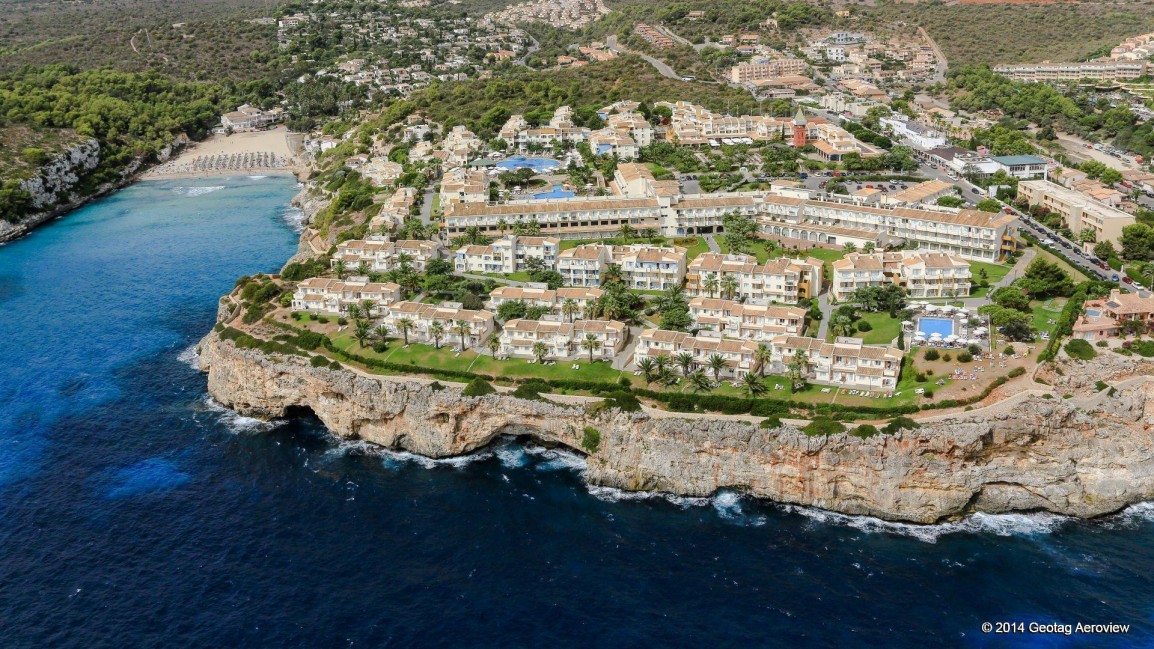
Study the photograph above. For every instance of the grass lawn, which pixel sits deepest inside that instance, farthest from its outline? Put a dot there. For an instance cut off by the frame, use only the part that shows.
(758, 248)
(828, 255)
(694, 249)
(519, 276)
(994, 274)
(727, 390)
(1046, 311)
(885, 328)
(518, 367)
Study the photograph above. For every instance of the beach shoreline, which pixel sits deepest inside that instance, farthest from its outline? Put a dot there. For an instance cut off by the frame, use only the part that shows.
(239, 154)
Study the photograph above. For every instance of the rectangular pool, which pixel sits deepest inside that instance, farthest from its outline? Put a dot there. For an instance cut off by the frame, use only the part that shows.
(942, 326)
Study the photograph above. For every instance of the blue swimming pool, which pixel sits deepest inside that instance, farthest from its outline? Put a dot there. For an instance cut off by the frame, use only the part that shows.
(556, 192)
(941, 326)
(539, 165)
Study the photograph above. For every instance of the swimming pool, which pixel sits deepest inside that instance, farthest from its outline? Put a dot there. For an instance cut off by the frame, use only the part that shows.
(556, 192)
(941, 326)
(538, 165)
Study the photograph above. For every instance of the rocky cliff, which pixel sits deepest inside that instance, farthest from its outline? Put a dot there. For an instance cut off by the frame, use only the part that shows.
(1039, 455)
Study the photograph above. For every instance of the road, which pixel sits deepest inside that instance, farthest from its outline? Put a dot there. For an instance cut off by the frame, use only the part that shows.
(942, 64)
(660, 66)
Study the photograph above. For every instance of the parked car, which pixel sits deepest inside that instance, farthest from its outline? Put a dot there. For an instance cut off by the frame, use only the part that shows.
(1126, 278)
(976, 190)
(1114, 277)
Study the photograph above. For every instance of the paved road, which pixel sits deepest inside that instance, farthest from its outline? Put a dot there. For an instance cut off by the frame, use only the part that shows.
(942, 64)
(427, 206)
(1076, 149)
(712, 243)
(660, 66)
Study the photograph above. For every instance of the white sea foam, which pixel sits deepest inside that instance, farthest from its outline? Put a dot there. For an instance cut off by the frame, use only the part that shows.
(190, 357)
(1133, 516)
(238, 423)
(980, 523)
(392, 459)
(727, 504)
(511, 456)
(257, 177)
(294, 217)
(554, 459)
(197, 191)
(612, 495)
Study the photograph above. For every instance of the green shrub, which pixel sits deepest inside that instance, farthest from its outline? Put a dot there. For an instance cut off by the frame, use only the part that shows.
(254, 313)
(342, 321)
(380, 347)
(899, 424)
(919, 377)
(965, 357)
(591, 439)
(319, 361)
(823, 426)
(1016, 372)
(286, 299)
(931, 355)
(478, 387)
(929, 394)
(865, 431)
(1009, 350)
(622, 400)
(947, 358)
(771, 422)
(1102, 343)
(532, 390)
(336, 365)
(1080, 349)
(1101, 385)
(436, 386)
(864, 326)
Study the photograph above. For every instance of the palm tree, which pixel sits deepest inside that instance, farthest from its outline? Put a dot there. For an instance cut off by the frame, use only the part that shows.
(754, 385)
(710, 284)
(493, 342)
(592, 344)
(462, 329)
(540, 350)
(340, 269)
(354, 311)
(798, 368)
(662, 363)
(436, 330)
(612, 275)
(363, 268)
(626, 232)
(841, 325)
(569, 308)
(728, 287)
(367, 307)
(762, 357)
(684, 360)
(700, 382)
(502, 225)
(868, 247)
(648, 369)
(381, 332)
(361, 332)
(404, 325)
(672, 298)
(650, 234)
(716, 363)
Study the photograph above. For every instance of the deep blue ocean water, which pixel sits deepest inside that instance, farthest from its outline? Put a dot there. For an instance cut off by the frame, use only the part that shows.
(135, 513)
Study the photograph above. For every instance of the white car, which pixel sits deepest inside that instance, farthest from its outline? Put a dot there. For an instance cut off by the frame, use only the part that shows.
(1047, 242)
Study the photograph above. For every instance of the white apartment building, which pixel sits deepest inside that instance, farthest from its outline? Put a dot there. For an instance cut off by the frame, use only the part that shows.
(563, 339)
(738, 354)
(760, 70)
(756, 322)
(921, 274)
(846, 362)
(916, 133)
(382, 254)
(422, 317)
(1078, 211)
(507, 255)
(643, 267)
(1096, 70)
(554, 299)
(333, 296)
(464, 185)
(777, 280)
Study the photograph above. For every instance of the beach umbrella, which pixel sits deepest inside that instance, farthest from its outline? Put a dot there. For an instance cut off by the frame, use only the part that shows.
(935, 336)
(907, 323)
(920, 334)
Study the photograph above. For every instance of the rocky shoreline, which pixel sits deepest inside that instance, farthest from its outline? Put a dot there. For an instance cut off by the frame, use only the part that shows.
(1078, 457)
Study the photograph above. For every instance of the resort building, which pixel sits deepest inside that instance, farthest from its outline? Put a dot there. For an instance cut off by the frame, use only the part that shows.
(422, 316)
(1021, 166)
(333, 296)
(914, 132)
(507, 255)
(1093, 70)
(739, 355)
(1078, 211)
(1104, 318)
(921, 274)
(554, 299)
(741, 277)
(563, 339)
(518, 133)
(924, 192)
(846, 362)
(756, 322)
(643, 267)
(763, 69)
(464, 185)
(382, 254)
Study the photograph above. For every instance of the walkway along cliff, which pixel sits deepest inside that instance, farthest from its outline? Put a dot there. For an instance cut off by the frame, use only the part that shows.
(1085, 458)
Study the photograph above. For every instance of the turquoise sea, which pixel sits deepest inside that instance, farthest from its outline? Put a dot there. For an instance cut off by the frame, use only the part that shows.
(134, 512)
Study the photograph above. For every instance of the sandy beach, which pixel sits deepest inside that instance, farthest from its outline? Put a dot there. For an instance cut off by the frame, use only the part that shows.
(224, 155)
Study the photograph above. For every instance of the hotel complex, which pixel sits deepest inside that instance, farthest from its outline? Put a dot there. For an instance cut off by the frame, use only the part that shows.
(921, 274)
(1079, 212)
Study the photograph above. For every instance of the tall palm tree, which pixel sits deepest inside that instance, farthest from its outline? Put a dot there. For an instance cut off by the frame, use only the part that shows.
(762, 357)
(716, 363)
(592, 344)
(361, 332)
(626, 232)
(569, 308)
(648, 369)
(612, 275)
(684, 360)
(436, 330)
(671, 298)
(367, 307)
(404, 325)
(841, 325)
(753, 384)
(363, 268)
(540, 350)
(798, 368)
(868, 247)
(700, 382)
(729, 287)
(354, 311)
(340, 269)
(662, 363)
(462, 329)
(710, 284)
(502, 225)
(493, 342)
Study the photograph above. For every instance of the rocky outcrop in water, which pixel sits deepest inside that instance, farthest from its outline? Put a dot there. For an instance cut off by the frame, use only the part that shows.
(1040, 454)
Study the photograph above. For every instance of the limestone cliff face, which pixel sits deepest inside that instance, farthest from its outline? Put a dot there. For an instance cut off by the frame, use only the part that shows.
(1039, 455)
